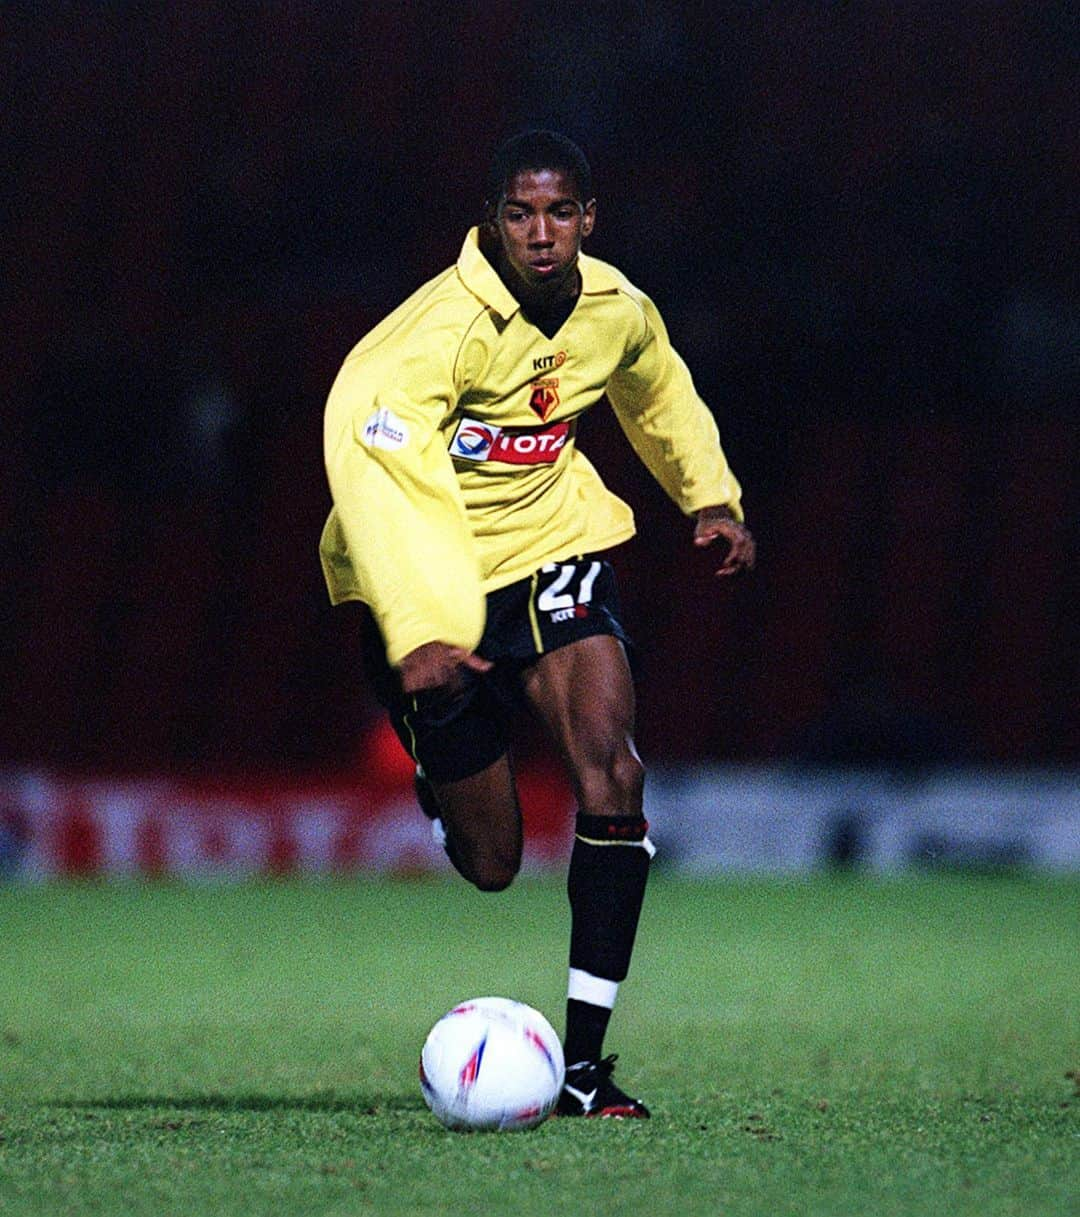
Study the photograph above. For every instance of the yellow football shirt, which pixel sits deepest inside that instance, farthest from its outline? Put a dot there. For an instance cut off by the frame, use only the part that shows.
(450, 445)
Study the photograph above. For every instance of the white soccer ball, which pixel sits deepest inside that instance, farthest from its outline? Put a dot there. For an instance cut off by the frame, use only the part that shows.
(492, 1063)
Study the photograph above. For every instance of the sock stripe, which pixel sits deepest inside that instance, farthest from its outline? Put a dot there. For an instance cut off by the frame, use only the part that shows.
(595, 990)
(644, 843)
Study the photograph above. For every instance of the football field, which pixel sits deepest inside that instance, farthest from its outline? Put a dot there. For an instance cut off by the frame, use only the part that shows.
(812, 1046)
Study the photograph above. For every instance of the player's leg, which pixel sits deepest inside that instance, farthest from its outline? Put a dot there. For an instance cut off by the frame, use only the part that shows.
(481, 819)
(464, 782)
(584, 694)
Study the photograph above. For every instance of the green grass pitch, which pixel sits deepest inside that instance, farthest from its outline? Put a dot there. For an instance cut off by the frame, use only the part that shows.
(813, 1046)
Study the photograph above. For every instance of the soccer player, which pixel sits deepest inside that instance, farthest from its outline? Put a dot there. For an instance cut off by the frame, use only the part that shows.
(469, 522)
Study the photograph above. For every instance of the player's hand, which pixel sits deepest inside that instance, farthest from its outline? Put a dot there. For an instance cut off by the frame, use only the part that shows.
(437, 665)
(715, 523)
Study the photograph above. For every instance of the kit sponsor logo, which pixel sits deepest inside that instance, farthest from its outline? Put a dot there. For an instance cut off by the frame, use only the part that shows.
(543, 362)
(477, 441)
(384, 429)
(568, 614)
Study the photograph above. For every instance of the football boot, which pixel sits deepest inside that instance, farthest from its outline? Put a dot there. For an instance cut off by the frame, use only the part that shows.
(589, 1091)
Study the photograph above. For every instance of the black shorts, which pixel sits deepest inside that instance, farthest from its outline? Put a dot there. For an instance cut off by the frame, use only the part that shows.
(455, 734)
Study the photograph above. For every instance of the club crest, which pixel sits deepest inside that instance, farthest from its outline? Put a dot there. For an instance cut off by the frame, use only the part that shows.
(544, 398)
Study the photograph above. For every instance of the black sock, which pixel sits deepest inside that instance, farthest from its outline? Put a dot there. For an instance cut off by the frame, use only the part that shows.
(585, 1028)
(609, 867)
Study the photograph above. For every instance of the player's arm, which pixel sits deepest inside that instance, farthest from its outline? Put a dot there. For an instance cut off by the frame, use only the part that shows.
(669, 426)
(398, 537)
(675, 435)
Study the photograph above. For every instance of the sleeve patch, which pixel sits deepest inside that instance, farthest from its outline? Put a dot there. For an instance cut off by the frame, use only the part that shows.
(383, 429)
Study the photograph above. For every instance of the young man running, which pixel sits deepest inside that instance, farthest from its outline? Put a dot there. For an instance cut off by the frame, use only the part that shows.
(468, 521)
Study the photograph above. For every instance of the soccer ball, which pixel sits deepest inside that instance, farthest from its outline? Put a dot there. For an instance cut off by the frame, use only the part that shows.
(492, 1063)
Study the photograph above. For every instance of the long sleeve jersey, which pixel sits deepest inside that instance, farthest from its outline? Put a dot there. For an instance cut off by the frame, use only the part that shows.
(450, 445)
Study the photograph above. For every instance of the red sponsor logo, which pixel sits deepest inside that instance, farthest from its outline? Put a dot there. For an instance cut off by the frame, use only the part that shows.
(539, 447)
(477, 441)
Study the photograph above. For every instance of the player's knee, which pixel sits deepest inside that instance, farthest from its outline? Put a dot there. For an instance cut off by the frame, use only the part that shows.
(629, 776)
(494, 874)
(616, 786)
(487, 865)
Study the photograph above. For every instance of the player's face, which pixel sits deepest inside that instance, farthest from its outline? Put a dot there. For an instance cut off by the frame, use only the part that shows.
(541, 222)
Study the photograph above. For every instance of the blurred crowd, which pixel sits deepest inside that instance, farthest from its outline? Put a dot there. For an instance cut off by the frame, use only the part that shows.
(858, 220)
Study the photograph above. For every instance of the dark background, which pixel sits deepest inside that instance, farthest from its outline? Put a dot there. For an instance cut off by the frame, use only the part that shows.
(859, 221)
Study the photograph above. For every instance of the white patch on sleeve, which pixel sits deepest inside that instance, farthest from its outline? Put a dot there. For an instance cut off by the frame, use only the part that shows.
(385, 430)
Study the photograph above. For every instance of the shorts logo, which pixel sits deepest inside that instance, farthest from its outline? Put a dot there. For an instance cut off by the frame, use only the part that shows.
(477, 441)
(384, 429)
(568, 614)
(545, 397)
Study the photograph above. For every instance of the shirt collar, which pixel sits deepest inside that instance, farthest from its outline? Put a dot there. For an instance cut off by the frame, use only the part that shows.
(481, 278)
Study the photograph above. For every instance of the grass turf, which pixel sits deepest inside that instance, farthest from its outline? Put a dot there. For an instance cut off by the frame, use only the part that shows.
(821, 1046)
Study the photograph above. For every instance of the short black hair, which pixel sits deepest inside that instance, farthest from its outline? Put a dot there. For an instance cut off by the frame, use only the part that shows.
(538, 150)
